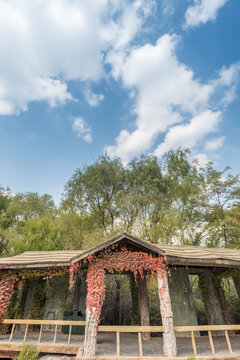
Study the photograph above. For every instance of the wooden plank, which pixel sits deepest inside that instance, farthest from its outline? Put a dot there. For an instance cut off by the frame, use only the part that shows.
(69, 334)
(40, 334)
(55, 334)
(193, 343)
(43, 322)
(140, 344)
(131, 329)
(118, 342)
(43, 347)
(25, 335)
(228, 341)
(211, 341)
(12, 331)
(206, 328)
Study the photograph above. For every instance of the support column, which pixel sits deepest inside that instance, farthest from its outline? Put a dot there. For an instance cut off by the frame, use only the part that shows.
(169, 338)
(184, 312)
(6, 293)
(212, 306)
(144, 305)
(95, 281)
(135, 300)
(90, 340)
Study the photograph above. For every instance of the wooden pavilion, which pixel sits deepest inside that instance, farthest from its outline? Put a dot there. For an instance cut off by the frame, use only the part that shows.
(175, 296)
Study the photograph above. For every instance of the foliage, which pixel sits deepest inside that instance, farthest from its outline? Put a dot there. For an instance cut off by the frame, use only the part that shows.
(38, 234)
(116, 261)
(28, 352)
(167, 200)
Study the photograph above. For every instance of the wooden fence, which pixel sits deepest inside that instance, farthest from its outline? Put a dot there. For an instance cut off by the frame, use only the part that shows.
(125, 329)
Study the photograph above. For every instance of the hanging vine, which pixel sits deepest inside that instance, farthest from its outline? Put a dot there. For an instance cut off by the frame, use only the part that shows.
(116, 261)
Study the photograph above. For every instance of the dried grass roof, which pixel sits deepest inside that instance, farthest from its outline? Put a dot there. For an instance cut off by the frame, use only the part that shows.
(176, 255)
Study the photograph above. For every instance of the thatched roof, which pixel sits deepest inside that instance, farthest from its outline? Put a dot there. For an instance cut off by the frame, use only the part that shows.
(176, 255)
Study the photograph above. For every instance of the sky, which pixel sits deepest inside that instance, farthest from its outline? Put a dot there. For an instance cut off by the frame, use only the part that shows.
(123, 77)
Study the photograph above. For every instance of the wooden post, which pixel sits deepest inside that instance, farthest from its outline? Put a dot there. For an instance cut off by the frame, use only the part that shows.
(144, 306)
(169, 338)
(118, 342)
(90, 340)
(93, 312)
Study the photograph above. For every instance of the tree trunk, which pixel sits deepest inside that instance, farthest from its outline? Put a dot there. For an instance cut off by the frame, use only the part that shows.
(117, 302)
(236, 281)
(212, 304)
(223, 303)
(135, 304)
(90, 340)
(76, 294)
(169, 338)
(144, 306)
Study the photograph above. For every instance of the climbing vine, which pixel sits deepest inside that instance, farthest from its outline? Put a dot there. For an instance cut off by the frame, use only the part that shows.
(116, 261)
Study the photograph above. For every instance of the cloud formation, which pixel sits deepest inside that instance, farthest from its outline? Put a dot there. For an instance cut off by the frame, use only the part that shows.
(45, 44)
(214, 144)
(92, 98)
(82, 129)
(167, 94)
(202, 11)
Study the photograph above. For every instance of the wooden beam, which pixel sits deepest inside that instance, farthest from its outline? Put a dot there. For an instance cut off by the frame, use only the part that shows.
(25, 335)
(55, 334)
(69, 334)
(118, 342)
(169, 338)
(129, 328)
(211, 341)
(193, 343)
(140, 344)
(40, 334)
(12, 332)
(44, 322)
(43, 347)
(228, 341)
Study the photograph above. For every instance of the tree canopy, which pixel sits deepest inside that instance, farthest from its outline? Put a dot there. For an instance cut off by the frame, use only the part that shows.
(167, 200)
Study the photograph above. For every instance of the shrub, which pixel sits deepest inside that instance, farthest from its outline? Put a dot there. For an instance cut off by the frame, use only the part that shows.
(28, 352)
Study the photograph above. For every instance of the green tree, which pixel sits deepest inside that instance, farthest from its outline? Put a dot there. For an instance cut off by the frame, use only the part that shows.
(38, 234)
(223, 190)
(95, 190)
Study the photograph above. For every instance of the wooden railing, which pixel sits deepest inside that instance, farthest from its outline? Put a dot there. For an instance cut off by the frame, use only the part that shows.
(125, 329)
(57, 323)
(209, 329)
(178, 329)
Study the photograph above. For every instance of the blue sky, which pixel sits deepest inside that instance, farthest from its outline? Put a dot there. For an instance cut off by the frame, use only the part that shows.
(78, 79)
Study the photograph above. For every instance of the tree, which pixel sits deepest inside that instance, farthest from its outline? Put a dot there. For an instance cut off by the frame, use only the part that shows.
(38, 234)
(223, 191)
(95, 190)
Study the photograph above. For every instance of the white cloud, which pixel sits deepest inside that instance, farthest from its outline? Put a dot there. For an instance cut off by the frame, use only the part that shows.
(188, 135)
(202, 11)
(82, 129)
(214, 144)
(92, 98)
(167, 93)
(44, 44)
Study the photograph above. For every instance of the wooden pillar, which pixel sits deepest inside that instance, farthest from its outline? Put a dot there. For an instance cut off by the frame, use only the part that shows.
(211, 302)
(76, 293)
(134, 314)
(90, 340)
(144, 305)
(236, 281)
(169, 338)
(93, 310)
